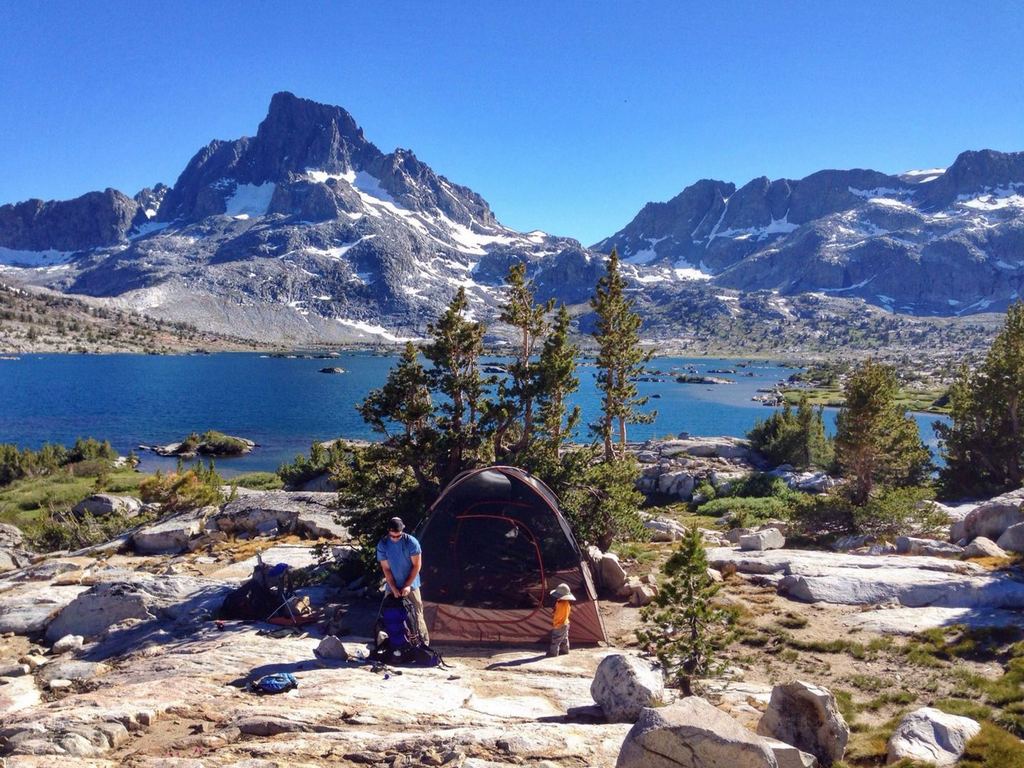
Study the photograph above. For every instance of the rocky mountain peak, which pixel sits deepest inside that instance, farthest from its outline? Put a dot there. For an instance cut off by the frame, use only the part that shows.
(298, 134)
(973, 172)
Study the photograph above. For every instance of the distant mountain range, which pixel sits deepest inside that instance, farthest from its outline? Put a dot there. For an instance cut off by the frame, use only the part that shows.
(308, 232)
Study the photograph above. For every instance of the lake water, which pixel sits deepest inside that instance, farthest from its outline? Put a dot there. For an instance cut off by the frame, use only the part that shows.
(284, 404)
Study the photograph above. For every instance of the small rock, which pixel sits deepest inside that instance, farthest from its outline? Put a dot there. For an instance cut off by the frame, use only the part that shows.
(769, 538)
(908, 545)
(932, 736)
(68, 643)
(14, 670)
(331, 648)
(59, 684)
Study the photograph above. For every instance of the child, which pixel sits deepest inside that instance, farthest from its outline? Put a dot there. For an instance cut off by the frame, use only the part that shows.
(560, 623)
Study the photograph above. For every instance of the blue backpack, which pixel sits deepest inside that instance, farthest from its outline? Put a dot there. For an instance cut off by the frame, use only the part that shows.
(278, 682)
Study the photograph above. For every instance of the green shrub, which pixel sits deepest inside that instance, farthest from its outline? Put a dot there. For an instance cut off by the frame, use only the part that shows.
(796, 438)
(258, 481)
(61, 530)
(190, 489)
(332, 459)
(888, 513)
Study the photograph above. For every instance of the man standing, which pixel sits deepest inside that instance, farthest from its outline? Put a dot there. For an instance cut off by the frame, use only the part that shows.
(400, 557)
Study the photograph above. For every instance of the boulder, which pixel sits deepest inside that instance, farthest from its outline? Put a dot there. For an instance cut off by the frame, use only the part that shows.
(612, 574)
(106, 504)
(103, 605)
(909, 545)
(642, 594)
(991, 518)
(806, 717)
(733, 535)
(28, 610)
(11, 537)
(307, 513)
(624, 685)
(813, 482)
(664, 529)
(983, 547)
(930, 735)
(692, 734)
(12, 560)
(1012, 539)
(789, 756)
(168, 600)
(679, 484)
(172, 535)
(769, 538)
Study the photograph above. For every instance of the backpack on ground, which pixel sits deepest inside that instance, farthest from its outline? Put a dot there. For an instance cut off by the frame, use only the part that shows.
(399, 640)
(279, 682)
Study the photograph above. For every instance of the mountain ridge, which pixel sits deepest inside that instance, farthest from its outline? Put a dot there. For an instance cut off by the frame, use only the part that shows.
(307, 232)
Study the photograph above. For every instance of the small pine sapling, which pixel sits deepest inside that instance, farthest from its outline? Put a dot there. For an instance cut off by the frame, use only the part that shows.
(682, 628)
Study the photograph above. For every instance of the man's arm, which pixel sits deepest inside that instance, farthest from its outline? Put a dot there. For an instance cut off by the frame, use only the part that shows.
(390, 579)
(417, 562)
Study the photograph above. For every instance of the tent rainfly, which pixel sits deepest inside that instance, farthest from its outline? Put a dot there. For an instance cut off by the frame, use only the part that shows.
(494, 545)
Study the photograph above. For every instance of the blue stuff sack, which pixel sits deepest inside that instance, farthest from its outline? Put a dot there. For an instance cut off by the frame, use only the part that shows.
(276, 683)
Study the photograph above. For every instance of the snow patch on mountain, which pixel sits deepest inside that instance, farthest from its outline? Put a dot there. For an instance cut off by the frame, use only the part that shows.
(34, 259)
(249, 200)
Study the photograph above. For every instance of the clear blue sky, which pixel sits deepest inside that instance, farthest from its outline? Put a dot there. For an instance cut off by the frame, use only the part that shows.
(565, 116)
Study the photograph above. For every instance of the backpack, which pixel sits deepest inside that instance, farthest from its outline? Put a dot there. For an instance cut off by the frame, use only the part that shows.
(403, 644)
(276, 683)
(397, 619)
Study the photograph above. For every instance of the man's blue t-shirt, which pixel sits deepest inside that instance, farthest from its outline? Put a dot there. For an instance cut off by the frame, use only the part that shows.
(397, 553)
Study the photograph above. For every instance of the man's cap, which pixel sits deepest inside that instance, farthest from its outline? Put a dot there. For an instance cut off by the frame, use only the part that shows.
(396, 524)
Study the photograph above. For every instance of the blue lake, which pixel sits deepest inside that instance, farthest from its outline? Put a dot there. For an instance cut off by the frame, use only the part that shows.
(284, 404)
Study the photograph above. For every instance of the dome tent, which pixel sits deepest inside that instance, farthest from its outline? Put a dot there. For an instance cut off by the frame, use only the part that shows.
(494, 544)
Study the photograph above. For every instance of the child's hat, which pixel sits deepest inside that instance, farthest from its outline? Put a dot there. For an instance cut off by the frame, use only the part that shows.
(562, 592)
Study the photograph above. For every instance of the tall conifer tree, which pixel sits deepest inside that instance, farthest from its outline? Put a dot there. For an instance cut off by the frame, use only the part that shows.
(455, 349)
(516, 396)
(620, 359)
(876, 442)
(984, 446)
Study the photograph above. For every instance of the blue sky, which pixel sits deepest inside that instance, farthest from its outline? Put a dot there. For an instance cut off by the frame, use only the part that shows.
(566, 116)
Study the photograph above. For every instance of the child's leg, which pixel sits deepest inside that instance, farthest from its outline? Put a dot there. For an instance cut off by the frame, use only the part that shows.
(564, 645)
(559, 635)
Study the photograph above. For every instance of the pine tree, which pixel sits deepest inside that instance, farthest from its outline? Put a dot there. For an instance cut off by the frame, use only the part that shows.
(603, 504)
(984, 446)
(619, 360)
(796, 438)
(516, 396)
(556, 374)
(681, 626)
(454, 350)
(404, 403)
(876, 442)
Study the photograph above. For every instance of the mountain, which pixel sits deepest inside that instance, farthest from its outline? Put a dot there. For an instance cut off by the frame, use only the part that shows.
(304, 232)
(939, 242)
(307, 232)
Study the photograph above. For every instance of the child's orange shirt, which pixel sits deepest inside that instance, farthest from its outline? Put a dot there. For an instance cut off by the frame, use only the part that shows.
(561, 614)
